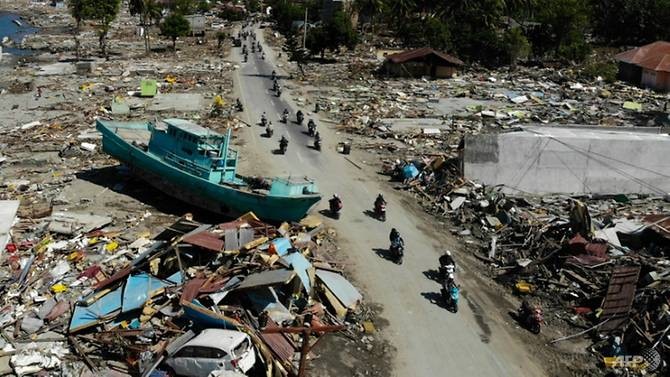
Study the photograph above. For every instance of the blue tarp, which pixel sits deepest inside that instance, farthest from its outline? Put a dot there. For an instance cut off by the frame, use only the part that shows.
(105, 308)
(300, 265)
(139, 289)
(265, 299)
(282, 245)
(409, 171)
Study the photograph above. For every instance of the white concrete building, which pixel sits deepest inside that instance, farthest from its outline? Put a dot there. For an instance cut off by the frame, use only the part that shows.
(571, 160)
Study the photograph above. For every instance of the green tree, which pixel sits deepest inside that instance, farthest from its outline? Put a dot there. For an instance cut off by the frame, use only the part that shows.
(79, 10)
(564, 25)
(183, 6)
(516, 45)
(419, 31)
(372, 10)
(285, 12)
(104, 12)
(252, 6)
(337, 32)
(174, 26)
(150, 13)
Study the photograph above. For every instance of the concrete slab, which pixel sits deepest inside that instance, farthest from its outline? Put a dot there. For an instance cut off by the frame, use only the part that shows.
(177, 102)
(571, 160)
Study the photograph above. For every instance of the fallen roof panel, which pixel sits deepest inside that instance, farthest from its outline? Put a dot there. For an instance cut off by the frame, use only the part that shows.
(139, 289)
(341, 287)
(619, 298)
(271, 277)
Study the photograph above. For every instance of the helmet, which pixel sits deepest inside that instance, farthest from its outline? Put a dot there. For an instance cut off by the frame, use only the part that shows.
(336, 196)
(451, 276)
(447, 252)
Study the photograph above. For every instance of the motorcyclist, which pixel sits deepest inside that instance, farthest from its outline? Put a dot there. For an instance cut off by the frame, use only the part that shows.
(283, 143)
(299, 116)
(268, 129)
(317, 141)
(311, 127)
(394, 236)
(379, 201)
(264, 119)
(335, 203)
(284, 116)
(447, 263)
(238, 103)
(274, 75)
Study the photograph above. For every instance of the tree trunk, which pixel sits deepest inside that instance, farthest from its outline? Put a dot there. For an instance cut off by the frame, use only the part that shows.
(174, 44)
(103, 43)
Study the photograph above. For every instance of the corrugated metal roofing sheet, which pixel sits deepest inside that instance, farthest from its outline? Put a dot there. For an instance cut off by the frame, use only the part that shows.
(403, 57)
(206, 240)
(278, 343)
(654, 56)
(619, 298)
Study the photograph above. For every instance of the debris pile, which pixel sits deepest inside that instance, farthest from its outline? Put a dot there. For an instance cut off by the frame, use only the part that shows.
(79, 295)
(594, 263)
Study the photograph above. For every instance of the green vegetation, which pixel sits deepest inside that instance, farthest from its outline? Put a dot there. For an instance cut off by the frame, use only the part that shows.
(104, 12)
(175, 26)
(150, 13)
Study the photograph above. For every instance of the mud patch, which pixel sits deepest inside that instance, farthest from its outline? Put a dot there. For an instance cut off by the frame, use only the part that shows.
(478, 312)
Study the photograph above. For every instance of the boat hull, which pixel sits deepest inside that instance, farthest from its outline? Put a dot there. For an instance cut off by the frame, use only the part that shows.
(221, 199)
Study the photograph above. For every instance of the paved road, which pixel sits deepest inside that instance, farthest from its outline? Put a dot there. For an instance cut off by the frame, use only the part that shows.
(430, 341)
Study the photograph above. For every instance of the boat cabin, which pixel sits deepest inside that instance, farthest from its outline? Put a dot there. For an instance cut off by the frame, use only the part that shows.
(195, 149)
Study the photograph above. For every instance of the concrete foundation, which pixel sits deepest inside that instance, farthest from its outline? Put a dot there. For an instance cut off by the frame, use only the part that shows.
(570, 160)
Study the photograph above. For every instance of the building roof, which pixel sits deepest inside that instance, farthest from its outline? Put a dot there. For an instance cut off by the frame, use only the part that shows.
(654, 56)
(403, 57)
(219, 338)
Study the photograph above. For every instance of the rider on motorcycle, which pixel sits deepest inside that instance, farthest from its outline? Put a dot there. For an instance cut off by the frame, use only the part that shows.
(299, 116)
(274, 75)
(284, 116)
(379, 201)
(268, 129)
(283, 142)
(264, 119)
(335, 203)
(311, 126)
(394, 236)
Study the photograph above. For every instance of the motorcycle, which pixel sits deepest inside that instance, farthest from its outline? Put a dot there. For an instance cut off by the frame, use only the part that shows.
(317, 144)
(283, 145)
(451, 293)
(398, 250)
(284, 118)
(335, 208)
(311, 128)
(299, 117)
(269, 131)
(264, 121)
(531, 317)
(239, 105)
(380, 211)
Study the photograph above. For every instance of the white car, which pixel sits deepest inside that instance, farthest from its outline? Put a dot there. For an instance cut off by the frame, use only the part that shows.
(213, 349)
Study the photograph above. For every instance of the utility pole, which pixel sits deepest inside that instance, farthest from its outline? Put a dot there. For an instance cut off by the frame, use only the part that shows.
(304, 31)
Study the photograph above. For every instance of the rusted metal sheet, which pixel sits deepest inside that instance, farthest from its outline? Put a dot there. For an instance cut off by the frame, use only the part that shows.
(206, 240)
(278, 343)
(619, 298)
(421, 53)
(659, 223)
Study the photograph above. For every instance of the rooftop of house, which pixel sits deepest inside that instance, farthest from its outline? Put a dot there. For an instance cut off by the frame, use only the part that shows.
(403, 57)
(654, 56)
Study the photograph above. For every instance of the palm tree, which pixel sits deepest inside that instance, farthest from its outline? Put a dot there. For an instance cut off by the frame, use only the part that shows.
(150, 13)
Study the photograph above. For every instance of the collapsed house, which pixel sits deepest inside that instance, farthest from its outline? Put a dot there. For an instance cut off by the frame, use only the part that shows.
(138, 306)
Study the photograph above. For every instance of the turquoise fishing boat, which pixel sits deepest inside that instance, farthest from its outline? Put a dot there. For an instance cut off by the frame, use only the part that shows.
(196, 165)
